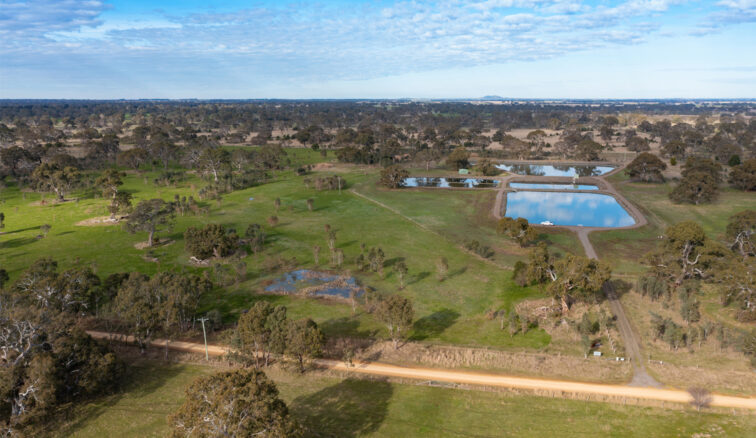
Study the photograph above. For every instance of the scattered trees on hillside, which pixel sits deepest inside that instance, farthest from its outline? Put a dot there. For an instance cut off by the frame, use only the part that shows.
(696, 165)
(264, 330)
(674, 149)
(401, 271)
(109, 181)
(74, 291)
(637, 143)
(393, 176)
(238, 403)
(695, 188)
(685, 253)
(333, 182)
(53, 178)
(741, 232)
(518, 230)
(487, 168)
(743, 176)
(164, 301)
(46, 361)
(569, 278)
(396, 313)
(458, 159)
(255, 237)
(646, 167)
(215, 162)
(133, 158)
(151, 216)
(304, 341)
(19, 161)
(212, 240)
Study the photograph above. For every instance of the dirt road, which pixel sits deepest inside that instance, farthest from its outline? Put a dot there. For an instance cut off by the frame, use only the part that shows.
(473, 378)
(629, 336)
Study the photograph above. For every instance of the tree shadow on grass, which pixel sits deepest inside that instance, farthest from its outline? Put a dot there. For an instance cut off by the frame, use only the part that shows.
(351, 408)
(139, 381)
(457, 272)
(20, 230)
(420, 276)
(346, 244)
(345, 326)
(618, 286)
(391, 262)
(434, 324)
(15, 243)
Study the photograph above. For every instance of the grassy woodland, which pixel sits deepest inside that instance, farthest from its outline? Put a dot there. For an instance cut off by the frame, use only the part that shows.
(355, 220)
(450, 276)
(331, 407)
(624, 249)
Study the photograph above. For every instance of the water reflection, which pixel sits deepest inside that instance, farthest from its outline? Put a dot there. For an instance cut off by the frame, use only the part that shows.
(451, 182)
(549, 170)
(581, 209)
(553, 186)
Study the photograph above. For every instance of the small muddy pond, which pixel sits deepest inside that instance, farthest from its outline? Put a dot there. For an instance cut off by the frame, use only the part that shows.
(551, 170)
(568, 208)
(441, 182)
(539, 186)
(314, 283)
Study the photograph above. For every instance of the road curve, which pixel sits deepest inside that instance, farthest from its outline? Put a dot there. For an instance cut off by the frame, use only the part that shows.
(472, 378)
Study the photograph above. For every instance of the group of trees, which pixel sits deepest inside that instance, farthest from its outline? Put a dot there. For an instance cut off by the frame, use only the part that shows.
(743, 176)
(265, 330)
(699, 183)
(568, 278)
(45, 359)
(238, 403)
(646, 167)
(518, 230)
(166, 302)
(212, 240)
(700, 179)
(685, 258)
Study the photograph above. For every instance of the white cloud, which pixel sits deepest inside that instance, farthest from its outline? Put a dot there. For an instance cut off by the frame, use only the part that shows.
(33, 19)
(731, 12)
(322, 42)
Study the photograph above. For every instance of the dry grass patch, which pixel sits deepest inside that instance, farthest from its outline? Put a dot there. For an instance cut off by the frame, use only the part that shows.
(517, 363)
(706, 364)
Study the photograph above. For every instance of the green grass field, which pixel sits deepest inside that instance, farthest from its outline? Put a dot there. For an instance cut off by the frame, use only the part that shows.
(333, 407)
(472, 287)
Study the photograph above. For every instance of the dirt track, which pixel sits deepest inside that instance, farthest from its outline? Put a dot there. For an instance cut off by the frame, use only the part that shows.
(472, 378)
(630, 337)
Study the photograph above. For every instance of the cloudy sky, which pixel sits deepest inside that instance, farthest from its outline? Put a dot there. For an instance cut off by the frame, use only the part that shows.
(377, 49)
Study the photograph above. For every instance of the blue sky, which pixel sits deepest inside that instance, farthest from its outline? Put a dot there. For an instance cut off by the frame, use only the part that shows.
(377, 49)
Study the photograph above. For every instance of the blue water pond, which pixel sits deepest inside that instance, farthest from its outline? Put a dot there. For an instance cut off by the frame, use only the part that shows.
(321, 284)
(568, 208)
(549, 170)
(451, 182)
(542, 186)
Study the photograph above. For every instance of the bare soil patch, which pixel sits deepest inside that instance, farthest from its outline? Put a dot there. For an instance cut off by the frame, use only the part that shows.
(100, 221)
(46, 202)
(144, 245)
